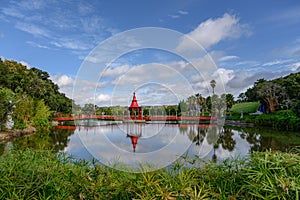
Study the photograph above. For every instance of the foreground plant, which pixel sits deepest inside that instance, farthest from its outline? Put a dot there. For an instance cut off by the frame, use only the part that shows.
(29, 174)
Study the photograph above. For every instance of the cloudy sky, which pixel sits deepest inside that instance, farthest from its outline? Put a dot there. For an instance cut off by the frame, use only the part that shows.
(102, 51)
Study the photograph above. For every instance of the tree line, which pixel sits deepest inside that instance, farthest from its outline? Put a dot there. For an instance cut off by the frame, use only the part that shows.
(29, 95)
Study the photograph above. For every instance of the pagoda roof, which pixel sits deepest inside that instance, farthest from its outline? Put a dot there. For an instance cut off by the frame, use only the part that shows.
(134, 103)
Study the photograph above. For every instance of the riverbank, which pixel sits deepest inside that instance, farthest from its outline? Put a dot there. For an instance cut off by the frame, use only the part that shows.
(30, 174)
(284, 120)
(11, 134)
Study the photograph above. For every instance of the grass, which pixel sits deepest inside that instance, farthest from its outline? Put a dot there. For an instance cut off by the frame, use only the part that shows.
(32, 174)
(246, 107)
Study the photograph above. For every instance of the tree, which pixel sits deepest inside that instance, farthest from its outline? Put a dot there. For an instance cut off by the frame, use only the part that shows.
(182, 107)
(42, 111)
(242, 97)
(251, 93)
(213, 85)
(296, 107)
(218, 104)
(89, 109)
(6, 104)
(201, 101)
(229, 101)
(272, 96)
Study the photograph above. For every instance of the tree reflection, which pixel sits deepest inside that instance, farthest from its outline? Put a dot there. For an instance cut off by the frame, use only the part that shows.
(217, 136)
(252, 138)
(226, 139)
(56, 140)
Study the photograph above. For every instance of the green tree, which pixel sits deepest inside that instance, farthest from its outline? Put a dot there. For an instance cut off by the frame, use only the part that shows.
(251, 93)
(42, 111)
(229, 101)
(242, 97)
(23, 112)
(182, 107)
(272, 96)
(7, 98)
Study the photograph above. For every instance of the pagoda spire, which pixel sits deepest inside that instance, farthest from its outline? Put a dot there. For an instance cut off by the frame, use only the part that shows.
(134, 103)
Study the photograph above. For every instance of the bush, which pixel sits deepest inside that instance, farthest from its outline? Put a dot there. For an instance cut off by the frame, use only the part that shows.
(281, 120)
(20, 124)
(42, 125)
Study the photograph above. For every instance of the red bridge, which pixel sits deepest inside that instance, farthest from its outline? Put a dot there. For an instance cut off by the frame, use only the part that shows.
(136, 114)
(148, 118)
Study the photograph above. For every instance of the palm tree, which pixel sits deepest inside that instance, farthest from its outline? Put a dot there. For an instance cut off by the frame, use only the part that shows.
(213, 85)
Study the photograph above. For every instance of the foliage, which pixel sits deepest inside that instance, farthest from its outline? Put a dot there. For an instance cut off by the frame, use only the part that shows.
(287, 89)
(182, 107)
(272, 95)
(272, 176)
(245, 107)
(281, 120)
(6, 99)
(42, 125)
(251, 93)
(296, 107)
(29, 174)
(37, 96)
(34, 83)
(23, 112)
(229, 101)
(42, 111)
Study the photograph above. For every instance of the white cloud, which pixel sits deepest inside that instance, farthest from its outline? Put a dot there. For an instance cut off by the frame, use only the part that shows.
(276, 62)
(174, 16)
(226, 58)
(62, 80)
(117, 71)
(70, 43)
(247, 63)
(25, 64)
(51, 22)
(32, 29)
(34, 44)
(183, 12)
(102, 98)
(12, 12)
(295, 66)
(213, 31)
(32, 4)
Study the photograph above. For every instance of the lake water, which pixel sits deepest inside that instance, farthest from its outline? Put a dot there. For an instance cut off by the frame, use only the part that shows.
(159, 144)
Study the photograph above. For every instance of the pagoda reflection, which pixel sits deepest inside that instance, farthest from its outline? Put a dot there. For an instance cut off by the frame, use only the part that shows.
(134, 132)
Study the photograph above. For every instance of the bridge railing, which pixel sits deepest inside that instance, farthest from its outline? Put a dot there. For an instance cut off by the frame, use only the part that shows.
(147, 118)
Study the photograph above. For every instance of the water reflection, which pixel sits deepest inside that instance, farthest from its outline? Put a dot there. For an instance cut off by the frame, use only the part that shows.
(132, 143)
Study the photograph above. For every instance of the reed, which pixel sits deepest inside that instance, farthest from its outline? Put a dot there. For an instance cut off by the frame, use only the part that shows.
(42, 174)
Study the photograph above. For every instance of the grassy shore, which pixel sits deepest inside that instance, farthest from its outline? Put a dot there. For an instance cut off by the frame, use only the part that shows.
(29, 174)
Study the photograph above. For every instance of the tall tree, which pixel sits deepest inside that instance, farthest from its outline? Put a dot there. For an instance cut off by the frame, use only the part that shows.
(272, 96)
(213, 84)
(251, 93)
(229, 101)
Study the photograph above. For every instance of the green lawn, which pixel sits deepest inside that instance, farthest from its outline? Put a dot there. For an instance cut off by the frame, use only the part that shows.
(246, 107)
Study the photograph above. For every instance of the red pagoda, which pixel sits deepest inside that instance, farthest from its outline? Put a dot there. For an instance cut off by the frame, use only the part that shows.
(134, 109)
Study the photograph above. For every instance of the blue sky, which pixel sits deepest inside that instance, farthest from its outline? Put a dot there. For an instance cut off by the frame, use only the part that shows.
(247, 40)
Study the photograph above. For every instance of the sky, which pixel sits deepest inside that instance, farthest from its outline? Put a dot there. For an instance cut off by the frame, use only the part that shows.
(102, 51)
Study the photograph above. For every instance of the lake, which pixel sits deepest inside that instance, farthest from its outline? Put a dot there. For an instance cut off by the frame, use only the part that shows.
(160, 144)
